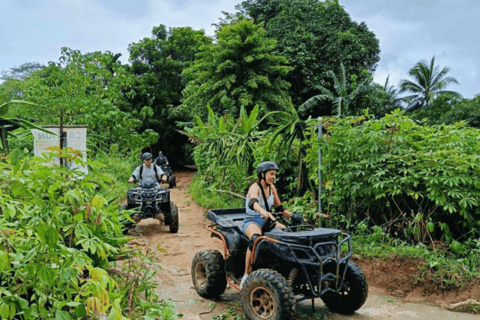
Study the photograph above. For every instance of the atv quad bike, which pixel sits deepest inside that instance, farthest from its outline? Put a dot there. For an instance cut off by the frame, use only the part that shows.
(287, 266)
(151, 201)
(171, 179)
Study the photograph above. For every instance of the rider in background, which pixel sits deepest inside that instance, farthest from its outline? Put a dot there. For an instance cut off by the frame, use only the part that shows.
(161, 160)
(258, 210)
(149, 170)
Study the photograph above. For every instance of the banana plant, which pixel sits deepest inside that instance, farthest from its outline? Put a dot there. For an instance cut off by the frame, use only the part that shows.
(242, 140)
(289, 126)
(341, 97)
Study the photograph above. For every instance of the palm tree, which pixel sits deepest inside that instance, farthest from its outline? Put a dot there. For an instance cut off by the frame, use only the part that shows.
(341, 98)
(429, 82)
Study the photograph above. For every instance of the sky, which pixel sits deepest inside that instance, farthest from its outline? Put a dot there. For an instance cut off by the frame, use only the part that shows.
(408, 30)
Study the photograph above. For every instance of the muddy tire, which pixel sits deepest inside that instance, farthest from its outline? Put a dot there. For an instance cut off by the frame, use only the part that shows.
(173, 220)
(208, 273)
(353, 294)
(266, 295)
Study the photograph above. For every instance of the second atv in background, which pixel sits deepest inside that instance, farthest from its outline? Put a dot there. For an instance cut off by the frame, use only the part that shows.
(151, 201)
(162, 162)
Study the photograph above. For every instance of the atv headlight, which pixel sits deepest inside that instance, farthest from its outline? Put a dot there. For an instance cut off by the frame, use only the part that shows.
(162, 196)
(137, 197)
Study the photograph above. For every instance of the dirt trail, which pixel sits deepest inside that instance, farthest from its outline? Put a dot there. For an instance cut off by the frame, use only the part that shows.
(175, 281)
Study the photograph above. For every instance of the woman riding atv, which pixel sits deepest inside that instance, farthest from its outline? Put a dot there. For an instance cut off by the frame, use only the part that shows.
(258, 210)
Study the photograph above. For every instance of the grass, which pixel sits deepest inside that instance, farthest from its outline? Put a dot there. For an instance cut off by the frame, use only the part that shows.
(211, 199)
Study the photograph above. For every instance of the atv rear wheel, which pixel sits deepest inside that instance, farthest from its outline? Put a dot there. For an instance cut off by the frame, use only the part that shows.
(171, 181)
(353, 293)
(266, 295)
(173, 220)
(208, 273)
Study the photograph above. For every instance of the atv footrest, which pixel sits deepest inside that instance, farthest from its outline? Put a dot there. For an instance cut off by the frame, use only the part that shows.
(228, 218)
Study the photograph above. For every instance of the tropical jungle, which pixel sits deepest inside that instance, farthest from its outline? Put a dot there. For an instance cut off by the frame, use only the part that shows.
(289, 81)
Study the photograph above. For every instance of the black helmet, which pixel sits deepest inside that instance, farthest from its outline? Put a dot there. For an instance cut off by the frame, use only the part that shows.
(147, 155)
(266, 166)
(160, 153)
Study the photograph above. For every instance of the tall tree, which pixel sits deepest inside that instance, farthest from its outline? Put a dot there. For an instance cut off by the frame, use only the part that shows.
(158, 63)
(428, 83)
(315, 36)
(22, 71)
(89, 88)
(239, 70)
(12, 87)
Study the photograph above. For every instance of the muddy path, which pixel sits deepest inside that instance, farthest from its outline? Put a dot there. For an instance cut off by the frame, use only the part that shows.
(391, 296)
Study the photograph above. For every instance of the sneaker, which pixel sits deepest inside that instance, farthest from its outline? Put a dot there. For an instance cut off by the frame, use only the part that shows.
(245, 276)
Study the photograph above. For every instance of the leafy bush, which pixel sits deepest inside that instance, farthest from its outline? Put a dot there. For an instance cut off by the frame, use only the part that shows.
(57, 240)
(418, 182)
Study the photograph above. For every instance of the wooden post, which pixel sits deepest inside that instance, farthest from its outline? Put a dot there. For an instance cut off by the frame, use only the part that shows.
(61, 135)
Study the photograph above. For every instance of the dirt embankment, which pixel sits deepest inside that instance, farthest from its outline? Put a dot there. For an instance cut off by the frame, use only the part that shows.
(391, 293)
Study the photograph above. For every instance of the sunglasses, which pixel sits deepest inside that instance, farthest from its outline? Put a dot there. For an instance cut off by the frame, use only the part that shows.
(148, 159)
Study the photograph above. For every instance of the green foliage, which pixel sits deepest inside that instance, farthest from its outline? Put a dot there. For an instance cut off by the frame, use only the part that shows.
(58, 238)
(379, 100)
(314, 36)
(467, 110)
(223, 141)
(91, 88)
(436, 112)
(238, 71)
(158, 63)
(420, 182)
(429, 82)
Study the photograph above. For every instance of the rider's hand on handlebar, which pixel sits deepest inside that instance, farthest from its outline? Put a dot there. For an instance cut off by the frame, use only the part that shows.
(267, 215)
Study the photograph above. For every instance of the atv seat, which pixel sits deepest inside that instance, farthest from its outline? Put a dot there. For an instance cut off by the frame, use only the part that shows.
(304, 237)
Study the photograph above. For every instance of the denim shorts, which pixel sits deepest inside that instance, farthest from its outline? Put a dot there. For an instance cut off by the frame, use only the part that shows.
(253, 219)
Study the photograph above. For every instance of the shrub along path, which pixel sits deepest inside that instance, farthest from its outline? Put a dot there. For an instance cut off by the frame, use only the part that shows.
(391, 288)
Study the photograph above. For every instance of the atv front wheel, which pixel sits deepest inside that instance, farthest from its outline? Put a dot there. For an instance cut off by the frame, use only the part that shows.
(353, 293)
(208, 273)
(173, 220)
(266, 295)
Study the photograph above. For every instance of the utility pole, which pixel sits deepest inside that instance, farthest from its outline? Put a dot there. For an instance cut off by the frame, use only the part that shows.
(319, 164)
